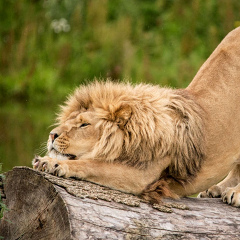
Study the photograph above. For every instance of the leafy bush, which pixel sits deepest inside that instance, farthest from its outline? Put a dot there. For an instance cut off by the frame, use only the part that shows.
(49, 47)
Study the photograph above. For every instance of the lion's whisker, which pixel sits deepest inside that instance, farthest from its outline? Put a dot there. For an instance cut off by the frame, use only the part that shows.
(42, 149)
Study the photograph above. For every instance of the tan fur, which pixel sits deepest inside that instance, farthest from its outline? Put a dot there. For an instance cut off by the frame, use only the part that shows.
(141, 124)
(153, 141)
(228, 189)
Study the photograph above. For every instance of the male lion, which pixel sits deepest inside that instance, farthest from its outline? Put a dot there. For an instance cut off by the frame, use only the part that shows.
(153, 141)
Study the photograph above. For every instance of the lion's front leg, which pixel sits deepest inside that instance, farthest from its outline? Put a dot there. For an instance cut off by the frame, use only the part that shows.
(117, 176)
(51, 165)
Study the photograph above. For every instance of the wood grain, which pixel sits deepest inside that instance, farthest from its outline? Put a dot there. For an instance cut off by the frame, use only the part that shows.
(43, 206)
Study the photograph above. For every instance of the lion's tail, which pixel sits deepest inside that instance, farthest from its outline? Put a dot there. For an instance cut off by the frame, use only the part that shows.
(154, 192)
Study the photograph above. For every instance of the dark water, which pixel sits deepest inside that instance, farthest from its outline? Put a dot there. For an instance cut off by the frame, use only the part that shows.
(24, 132)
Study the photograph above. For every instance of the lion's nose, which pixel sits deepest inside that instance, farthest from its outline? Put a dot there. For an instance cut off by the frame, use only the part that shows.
(53, 136)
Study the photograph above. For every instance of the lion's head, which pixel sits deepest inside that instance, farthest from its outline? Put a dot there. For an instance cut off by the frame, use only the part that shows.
(75, 138)
(133, 125)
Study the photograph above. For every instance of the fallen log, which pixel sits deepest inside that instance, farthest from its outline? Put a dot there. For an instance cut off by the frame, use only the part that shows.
(42, 206)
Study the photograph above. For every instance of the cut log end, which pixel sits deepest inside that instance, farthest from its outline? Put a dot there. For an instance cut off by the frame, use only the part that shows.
(36, 210)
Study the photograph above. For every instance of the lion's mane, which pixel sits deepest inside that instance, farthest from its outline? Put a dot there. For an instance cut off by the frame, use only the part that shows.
(142, 124)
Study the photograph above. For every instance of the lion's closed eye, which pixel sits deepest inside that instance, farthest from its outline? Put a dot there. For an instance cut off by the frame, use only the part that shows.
(83, 125)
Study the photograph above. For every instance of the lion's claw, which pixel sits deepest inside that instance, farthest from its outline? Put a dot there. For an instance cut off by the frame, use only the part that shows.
(212, 192)
(49, 165)
(59, 171)
(35, 162)
(231, 196)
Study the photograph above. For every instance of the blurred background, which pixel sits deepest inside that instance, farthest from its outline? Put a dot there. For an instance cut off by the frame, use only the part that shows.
(47, 48)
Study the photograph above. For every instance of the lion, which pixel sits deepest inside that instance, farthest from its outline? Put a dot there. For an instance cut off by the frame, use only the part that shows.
(155, 142)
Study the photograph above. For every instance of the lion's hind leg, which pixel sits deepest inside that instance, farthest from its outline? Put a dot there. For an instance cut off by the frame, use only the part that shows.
(213, 192)
(228, 189)
(232, 196)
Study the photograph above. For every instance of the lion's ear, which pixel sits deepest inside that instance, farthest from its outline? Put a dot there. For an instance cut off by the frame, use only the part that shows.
(121, 114)
(111, 143)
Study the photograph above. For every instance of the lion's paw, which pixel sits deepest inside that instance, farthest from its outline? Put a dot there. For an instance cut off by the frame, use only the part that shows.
(213, 192)
(49, 165)
(232, 196)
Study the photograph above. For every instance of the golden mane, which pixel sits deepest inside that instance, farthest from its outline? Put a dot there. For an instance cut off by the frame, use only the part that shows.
(142, 124)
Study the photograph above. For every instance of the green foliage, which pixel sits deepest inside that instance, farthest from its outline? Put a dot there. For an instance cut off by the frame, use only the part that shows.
(49, 47)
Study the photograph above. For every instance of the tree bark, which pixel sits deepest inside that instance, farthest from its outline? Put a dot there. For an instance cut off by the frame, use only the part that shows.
(42, 206)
